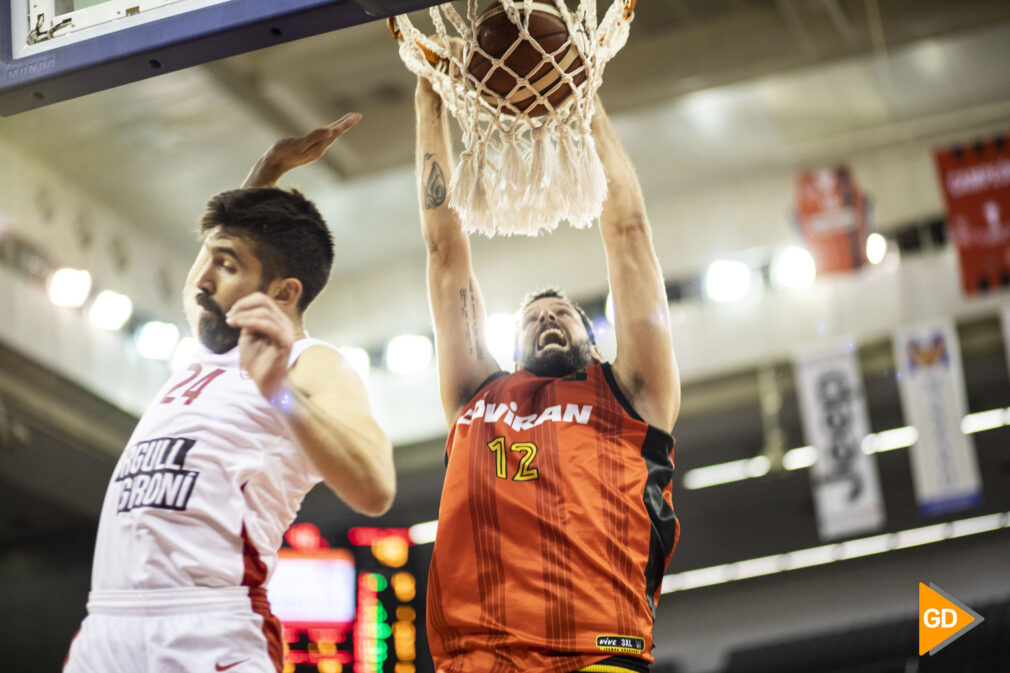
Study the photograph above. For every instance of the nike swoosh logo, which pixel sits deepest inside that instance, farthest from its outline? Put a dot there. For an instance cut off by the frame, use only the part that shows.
(219, 667)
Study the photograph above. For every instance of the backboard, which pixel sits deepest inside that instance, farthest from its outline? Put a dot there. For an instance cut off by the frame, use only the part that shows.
(53, 50)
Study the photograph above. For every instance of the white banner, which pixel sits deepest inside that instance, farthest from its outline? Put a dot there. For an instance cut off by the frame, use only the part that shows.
(931, 382)
(845, 484)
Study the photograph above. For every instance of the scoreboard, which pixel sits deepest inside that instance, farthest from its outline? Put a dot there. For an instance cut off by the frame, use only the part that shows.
(353, 609)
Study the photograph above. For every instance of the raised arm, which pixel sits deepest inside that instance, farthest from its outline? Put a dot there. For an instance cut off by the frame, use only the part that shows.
(457, 307)
(289, 153)
(321, 399)
(645, 366)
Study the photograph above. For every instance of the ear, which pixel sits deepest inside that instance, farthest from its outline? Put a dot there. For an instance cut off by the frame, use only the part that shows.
(597, 356)
(286, 292)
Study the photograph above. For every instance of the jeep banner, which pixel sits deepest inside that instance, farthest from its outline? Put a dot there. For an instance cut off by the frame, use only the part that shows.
(844, 479)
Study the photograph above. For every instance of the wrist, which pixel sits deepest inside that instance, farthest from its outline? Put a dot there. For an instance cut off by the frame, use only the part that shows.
(266, 172)
(283, 399)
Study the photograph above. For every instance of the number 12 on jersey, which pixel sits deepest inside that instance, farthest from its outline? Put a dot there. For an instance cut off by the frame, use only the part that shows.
(525, 472)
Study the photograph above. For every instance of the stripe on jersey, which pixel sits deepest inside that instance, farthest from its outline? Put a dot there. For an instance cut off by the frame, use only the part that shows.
(487, 543)
(657, 450)
(271, 626)
(555, 547)
(665, 526)
(611, 466)
(254, 571)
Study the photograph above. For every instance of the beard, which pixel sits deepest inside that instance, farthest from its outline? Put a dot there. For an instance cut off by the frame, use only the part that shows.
(557, 363)
(212, 329)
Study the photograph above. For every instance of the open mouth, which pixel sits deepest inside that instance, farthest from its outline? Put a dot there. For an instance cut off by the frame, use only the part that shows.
(552, 337)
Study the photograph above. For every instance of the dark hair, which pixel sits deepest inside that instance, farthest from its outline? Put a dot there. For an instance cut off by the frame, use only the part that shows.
(288, 235)
(559, 294)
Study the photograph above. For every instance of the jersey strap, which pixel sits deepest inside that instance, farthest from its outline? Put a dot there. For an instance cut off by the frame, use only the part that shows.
(302, 345)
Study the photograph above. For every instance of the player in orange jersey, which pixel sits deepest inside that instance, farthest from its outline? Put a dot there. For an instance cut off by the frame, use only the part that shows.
(556, 521)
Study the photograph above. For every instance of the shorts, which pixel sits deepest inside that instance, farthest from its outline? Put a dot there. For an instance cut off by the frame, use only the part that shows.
(189, 630)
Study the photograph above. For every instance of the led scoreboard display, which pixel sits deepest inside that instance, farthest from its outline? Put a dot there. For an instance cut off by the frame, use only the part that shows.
(385, 627)
(344, 610)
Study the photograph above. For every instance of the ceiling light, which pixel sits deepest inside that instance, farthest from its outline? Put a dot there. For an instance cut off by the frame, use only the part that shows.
(889, 440)
(358, 358)
(799, 458)
(110, 310)
(156, 340)
(423, 533)
(793, 267)
(984, 420)
(876, 248)
(408, 354)
(832, 553)
(501, 338)
(183, 353)
(727, 280)
(713, 475)
(69, 287)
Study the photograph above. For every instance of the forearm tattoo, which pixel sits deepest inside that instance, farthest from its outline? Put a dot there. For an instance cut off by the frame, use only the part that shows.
(473, 317)
(466, 320)
(434, 186)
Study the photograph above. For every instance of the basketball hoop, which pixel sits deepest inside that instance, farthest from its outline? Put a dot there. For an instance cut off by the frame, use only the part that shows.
(529, 160)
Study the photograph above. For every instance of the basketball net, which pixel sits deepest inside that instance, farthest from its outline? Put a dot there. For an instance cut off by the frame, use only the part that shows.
(517, 173)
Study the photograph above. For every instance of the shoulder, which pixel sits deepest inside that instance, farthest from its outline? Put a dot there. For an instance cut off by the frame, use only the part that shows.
(630, 394)
(317, 365)
(317, 347)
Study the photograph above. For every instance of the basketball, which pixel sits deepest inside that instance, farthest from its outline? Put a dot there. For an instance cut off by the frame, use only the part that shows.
(495, 34)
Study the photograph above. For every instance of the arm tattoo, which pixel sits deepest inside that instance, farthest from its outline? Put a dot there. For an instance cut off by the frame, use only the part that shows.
(466, 321)
(434, 187)
(473, 316)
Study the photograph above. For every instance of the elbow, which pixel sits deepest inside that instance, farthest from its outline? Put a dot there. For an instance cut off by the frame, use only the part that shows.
(379, 500)
(631, 224)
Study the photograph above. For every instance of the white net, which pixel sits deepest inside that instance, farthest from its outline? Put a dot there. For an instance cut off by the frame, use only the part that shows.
(529, 161)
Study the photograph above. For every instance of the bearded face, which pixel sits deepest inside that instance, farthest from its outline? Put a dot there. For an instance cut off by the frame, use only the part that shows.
(552, 339)
(212, 329)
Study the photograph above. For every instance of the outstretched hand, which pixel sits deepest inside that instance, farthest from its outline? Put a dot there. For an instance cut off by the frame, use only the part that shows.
(289, 153)
(265, 341)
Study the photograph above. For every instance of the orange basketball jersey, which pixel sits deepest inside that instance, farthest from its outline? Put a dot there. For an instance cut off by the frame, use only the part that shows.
(555, 527)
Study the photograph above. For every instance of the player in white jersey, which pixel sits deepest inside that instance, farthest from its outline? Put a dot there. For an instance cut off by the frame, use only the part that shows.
(217, 467)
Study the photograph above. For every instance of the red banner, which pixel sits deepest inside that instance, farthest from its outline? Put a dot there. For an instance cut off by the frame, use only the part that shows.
(832, 218)
(976, 188)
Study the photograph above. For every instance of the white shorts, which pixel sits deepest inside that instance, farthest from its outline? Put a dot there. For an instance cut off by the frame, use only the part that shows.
(178, 631)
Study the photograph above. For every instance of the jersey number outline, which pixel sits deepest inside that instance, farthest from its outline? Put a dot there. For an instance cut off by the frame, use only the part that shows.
(194, 390)
(525, 472)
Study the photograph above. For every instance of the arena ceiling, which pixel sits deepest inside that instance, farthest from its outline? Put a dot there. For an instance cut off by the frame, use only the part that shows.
(817, 76)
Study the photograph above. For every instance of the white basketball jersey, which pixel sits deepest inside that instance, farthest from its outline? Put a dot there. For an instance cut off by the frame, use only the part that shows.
(206, 487)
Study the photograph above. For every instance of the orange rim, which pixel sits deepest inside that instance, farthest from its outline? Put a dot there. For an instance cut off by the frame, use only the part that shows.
(629, 8)
(395, 31)
(393, 28)
(429, 55)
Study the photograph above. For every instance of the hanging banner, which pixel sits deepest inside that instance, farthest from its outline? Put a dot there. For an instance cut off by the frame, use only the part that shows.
(844, 480)
(832, 215)
(931, 383)
(976, 189)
